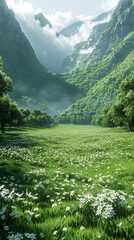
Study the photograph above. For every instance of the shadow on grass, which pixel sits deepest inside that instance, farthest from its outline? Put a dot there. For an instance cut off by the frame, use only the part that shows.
(16, 138)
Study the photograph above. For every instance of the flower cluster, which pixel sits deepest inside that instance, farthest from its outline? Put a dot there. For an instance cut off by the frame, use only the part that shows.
(104, 204)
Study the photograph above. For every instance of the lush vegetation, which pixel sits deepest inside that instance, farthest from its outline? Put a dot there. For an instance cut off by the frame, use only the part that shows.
(110, 63)
(35, 118)
(5, 101)
(11, 114)
(102, 94)
(123, 109)
(67, 182)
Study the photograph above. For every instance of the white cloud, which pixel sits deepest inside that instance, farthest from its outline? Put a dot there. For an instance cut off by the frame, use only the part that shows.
(86, 51)
(82, 34)
(60, 20)
(108, 4)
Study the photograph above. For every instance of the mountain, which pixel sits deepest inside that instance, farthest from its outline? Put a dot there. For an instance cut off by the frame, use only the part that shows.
(79, 55)
(29, 76)
(42, 20)
(121, 24)
(74, 28)
(71, 29)
(50, 48)
(111, 61)
(103, 16)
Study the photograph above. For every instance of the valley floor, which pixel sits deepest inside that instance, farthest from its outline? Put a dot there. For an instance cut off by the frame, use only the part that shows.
(69, 182)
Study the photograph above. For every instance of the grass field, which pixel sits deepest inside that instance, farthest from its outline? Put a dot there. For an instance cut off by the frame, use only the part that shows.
(68, 182)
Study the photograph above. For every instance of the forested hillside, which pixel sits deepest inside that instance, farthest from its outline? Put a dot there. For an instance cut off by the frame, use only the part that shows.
(110, 63)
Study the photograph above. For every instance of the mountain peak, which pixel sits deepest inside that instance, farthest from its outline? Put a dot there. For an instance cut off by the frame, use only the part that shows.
(71, 29)
(102, 16)
(43, 21)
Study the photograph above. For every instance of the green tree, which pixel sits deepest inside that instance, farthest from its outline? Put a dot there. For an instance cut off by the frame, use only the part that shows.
(108, 117)
(5, 81)
(7, 108)
(124, 106)
(5, 102)
(36, 118)
(16, 117)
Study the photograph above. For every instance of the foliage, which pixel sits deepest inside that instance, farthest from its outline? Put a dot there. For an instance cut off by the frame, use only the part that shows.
(124, 106)
(5, 101)
(101, 94)
(11, 115)
(5, 81)
(15, 115)
(111, 62)
(36, 118)
(4, 111)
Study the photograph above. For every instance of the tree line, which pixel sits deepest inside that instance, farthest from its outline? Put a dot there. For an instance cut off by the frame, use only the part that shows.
(11, 114)
(121, 113)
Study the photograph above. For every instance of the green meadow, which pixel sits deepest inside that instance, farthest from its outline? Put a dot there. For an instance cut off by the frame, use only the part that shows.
(68, 182)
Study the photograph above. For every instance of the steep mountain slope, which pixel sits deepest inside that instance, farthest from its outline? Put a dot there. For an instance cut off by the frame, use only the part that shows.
(110, 63)
(29, 76)
(121, 24)
(71, 29)
(103, 16)
(80, 52)
(103, 93)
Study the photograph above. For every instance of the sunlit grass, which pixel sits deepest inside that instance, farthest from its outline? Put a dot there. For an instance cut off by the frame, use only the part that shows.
(67, 182)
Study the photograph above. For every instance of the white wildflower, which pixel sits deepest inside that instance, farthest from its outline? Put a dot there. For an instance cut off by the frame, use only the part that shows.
(65, 229)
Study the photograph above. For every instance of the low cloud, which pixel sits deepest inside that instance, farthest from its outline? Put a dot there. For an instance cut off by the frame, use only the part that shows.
(61, 20)
(86, 51)
(83, 33)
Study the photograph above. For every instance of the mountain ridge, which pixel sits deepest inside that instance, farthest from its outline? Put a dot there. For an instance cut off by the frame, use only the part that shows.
(110, 63)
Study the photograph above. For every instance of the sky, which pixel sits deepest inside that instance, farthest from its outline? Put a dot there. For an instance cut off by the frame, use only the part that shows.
(84, 7)
(50, 49)
(77, 7)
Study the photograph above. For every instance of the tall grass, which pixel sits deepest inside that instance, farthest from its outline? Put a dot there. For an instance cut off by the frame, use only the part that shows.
(68, 182)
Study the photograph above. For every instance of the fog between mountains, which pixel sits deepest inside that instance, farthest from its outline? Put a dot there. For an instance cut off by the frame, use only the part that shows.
(50, 49)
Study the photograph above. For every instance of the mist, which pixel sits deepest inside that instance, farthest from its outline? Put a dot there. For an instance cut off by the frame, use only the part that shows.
(51, 49)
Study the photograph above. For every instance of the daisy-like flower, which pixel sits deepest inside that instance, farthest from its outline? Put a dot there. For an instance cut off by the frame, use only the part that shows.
(65, 229)
(82, 228)
(6, 228)
(55, 232)
(68, 208)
